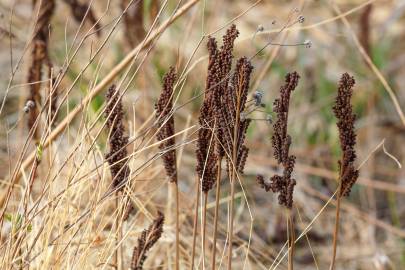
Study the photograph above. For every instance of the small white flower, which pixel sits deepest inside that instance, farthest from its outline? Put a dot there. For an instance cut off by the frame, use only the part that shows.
(269, 119)
(308, 43)
(258, 96)
(30, 104)
(301, 19)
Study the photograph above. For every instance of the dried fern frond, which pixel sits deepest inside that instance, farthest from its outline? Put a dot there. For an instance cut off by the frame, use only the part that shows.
(281, 141)
(117, 157)
(206, 142)
(344, 113)
(165, 120)
(146, 241)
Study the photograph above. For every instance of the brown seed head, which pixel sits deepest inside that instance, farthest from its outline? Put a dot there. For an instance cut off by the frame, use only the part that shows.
(205, 152)
(146, 241)
(165, 121)
(347, 136)
(117, 157)
(281, 141)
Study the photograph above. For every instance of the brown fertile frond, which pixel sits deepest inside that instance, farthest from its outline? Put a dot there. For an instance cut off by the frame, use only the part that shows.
(281, 141)
(205, 152)
(146, 240)
(228, 93)
(82, 11)
(347, 136)
(165, 121)
(117, 157)
(133, 21)
(218, 78)
(224, 101)
(39, 55)
(234, 100)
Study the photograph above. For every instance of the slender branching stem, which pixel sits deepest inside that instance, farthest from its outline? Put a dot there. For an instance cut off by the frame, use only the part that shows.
(217, 196)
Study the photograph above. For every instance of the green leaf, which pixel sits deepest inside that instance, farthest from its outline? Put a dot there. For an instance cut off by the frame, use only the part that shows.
(8, 217)
(18, 221)
(39, 152)
(29, 227)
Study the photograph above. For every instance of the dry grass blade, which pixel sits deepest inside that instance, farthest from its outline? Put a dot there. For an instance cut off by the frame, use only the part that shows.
(117, 139)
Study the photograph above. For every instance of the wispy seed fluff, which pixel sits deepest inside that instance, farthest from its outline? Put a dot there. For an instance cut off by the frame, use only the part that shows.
(117, 157)
(281, 141)
(146, 240)
(347, 136)
(165, 121)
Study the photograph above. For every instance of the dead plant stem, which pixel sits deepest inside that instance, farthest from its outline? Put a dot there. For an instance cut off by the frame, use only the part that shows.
(217, 196)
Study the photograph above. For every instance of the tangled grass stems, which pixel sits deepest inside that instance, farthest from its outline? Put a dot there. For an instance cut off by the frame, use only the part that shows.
(128, 60)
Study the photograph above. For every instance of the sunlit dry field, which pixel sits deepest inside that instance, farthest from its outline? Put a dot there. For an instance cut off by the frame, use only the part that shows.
(197, 134)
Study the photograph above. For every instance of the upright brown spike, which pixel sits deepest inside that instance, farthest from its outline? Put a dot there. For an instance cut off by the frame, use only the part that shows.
(165, 120)
(281, 141)
(206, 142)
(146, 241)
(232, 105)
(117, 157)
(347, 173)
(344, 113)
